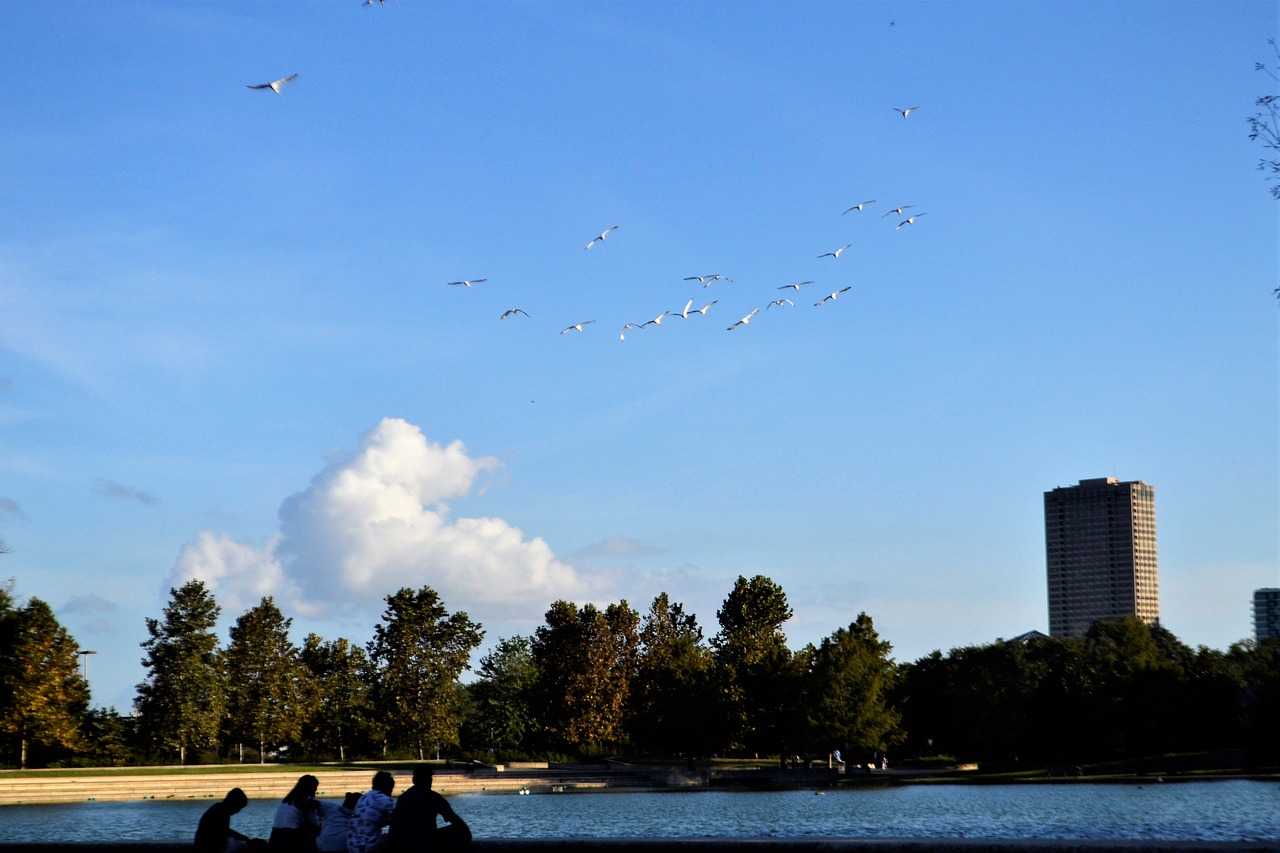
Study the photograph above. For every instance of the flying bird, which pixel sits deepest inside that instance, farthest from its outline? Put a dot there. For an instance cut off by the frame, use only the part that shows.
(910, 220)
(684, 315)
(511, 313)
(466, 283)
(656, 321)
(832, 295)
(836, 253)
(858, 207)
(623, 335)
(779, 302)
(600, 239)
(795, 286)
(576, 326)
(703, 309)
(274, 85)
(745, 320)
(904, 112)
(706, 280)
(898, 210)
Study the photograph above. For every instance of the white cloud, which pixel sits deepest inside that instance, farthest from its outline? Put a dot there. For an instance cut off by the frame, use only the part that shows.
(375, 520)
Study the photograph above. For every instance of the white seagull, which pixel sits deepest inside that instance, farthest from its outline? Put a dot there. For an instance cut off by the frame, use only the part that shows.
(832, 295)
(466, 283)
(745, 320)
(858, 207)
(836, 253)
(904, 112)
(511, 313)
(779, 302)
(898, 210)
(274, 85)
(600, 239)
(656, 321)
(576, 326)
(623, 335)
(703, 309)
(706, 280)
(795, 286)
(684, 315)
(910, 220)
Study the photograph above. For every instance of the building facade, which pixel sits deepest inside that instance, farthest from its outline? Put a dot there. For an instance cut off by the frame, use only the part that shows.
(1266, 613)
(1100, 545)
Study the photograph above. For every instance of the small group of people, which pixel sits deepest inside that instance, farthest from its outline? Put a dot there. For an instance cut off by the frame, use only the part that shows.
(371, 822)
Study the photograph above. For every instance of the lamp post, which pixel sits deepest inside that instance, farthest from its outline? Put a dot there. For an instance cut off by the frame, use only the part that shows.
(84, 662)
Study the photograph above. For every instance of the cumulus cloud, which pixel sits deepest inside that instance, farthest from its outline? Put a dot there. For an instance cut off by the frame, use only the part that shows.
(88, 604)
(115, 491)
(616, 547)
(377, 519)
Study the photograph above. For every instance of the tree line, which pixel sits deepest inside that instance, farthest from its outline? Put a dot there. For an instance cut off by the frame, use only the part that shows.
(593, 681)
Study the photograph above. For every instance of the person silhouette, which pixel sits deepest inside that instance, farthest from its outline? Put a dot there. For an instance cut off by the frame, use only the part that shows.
(413, 826)
(372, 812)
(297, 820)
(336, 823)
(214, 833)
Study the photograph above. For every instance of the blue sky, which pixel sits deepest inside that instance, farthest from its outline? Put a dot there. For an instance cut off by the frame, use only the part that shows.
(228, 349)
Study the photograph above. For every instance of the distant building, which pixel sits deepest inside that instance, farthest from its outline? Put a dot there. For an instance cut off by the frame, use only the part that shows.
(1266, 613)
(1100, 546)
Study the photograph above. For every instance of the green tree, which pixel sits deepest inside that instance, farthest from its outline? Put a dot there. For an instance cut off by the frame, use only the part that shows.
(586, 658)
(344, 714)
(106, 736)
(672, 693)
(46, 696)
(850, 679)
(502, 697)
(180, 704)
(418, 652)
(755, 671)
(270, 693)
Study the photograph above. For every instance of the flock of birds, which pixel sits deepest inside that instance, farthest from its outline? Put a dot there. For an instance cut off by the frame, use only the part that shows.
(704, 280)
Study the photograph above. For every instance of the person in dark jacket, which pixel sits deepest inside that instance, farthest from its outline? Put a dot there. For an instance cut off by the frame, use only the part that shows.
(214, 833)
(413, 827)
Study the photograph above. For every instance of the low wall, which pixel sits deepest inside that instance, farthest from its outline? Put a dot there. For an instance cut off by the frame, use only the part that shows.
(755, 845)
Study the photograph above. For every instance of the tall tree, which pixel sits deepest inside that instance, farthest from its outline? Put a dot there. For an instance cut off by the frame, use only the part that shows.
(180, 704)
(418, 651)
(754, 668)
(270, 693)
(344, 714)
(502, 697)
(672, 694)
(47, 697)
(851, 679)
(586, 658)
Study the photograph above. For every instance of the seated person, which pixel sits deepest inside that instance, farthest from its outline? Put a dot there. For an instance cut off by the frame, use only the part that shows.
(336, 823)
(413, 823)
(214, 833)
(372, 813)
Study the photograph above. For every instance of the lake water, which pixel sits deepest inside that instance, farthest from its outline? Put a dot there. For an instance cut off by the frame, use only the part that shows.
(1203, 811)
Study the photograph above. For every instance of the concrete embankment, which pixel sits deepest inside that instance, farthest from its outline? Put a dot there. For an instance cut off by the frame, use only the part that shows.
(757, 845)
(38, 788)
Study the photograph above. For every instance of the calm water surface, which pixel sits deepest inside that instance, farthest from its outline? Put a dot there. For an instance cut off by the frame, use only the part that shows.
(1205, 811)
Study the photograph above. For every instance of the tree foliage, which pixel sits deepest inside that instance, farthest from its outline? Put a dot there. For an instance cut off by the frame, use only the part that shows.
(672, 694)
(755, 671)
(418, 652)
(851, 678)
(1264, 124)
(343, 714)
(270, 693)
(586, 658)
(502, 697)
(180, 704)
(45, 696)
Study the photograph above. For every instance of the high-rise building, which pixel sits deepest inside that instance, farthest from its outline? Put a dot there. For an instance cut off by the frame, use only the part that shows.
(1266, 613)
(1100, 544)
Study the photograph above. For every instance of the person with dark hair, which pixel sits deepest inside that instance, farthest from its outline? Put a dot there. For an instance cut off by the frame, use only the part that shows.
(214, 833)
(335, 823)
(372, 813)
(413, 824)
(297, 820)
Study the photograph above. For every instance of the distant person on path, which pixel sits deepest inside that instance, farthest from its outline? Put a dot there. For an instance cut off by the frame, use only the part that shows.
(413, 823)
(372, 813)
(214, 833)
(297, 820)
(335, 823)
